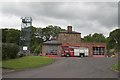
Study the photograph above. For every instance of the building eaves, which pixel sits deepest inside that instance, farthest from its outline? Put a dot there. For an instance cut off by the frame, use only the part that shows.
(52, 42)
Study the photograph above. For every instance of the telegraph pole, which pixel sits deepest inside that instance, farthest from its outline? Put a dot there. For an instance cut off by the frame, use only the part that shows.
(25, 36)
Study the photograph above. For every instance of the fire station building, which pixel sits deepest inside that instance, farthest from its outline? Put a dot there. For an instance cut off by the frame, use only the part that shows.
(72, 40)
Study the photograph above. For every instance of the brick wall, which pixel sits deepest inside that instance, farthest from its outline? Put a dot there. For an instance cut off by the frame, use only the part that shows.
(69, 38)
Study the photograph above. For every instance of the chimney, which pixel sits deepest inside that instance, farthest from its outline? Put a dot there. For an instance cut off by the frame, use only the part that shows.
(69, 28)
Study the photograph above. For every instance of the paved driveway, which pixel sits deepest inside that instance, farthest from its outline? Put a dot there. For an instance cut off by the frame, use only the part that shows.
(71, 68)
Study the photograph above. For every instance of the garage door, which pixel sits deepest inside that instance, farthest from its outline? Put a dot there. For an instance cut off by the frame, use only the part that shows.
(98, 52)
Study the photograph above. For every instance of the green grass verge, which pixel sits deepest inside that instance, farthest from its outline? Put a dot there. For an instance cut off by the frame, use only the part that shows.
(26, 62)
(116, 66)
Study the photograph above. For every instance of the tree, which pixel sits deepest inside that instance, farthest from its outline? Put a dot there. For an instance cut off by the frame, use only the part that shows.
(4, 33)
(10, 42)
(98, 37)
(113, 41)
(10, 36)
(36, 38)
(88, 38)
(51, 31)
(94, 38)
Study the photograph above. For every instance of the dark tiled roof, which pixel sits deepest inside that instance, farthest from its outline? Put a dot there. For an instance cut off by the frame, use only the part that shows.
(73, 32)
(55, 42)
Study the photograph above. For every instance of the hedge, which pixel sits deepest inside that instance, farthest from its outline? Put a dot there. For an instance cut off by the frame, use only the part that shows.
(9, 50)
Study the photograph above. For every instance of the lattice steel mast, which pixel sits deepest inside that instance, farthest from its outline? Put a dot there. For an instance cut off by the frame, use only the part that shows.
(25, 37)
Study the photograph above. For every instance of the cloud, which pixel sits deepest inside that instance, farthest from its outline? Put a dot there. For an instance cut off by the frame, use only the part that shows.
(86, 17)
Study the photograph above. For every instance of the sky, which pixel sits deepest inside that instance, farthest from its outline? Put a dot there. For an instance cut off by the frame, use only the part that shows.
(85, 17)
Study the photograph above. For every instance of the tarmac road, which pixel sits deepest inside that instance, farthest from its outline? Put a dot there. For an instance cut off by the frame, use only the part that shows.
(71, 68)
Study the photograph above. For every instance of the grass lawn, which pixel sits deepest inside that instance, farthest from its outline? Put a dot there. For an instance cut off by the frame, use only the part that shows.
(26, 62)
(116, 66)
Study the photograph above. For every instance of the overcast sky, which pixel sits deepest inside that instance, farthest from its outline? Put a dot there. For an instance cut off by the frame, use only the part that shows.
(85, 17)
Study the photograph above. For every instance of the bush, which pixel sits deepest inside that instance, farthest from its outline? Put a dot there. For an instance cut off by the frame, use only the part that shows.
(9, 50)
(37, 50)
